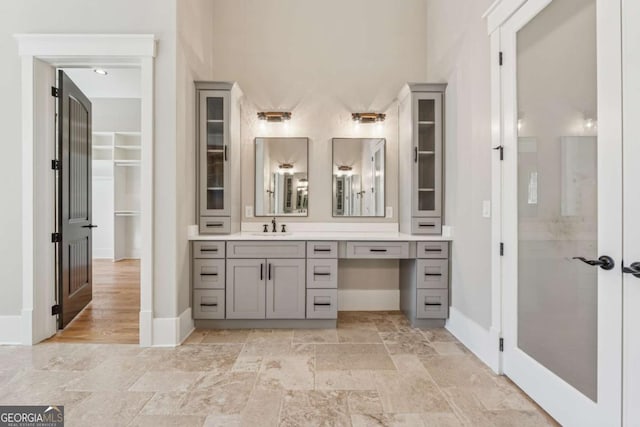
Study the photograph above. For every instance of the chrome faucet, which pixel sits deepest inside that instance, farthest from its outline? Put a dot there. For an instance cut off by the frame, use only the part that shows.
(273, 223)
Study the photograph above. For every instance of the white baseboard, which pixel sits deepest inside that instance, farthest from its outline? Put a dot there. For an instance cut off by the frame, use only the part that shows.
(171, 331)
(11, 330)
(368, 300)
(482, 342)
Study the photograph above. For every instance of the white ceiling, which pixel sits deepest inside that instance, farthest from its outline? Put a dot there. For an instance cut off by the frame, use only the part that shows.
(118, 83)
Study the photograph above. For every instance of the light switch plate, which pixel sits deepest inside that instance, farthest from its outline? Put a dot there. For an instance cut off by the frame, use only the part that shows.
(389, 213)
(486, 208)
(248, 211)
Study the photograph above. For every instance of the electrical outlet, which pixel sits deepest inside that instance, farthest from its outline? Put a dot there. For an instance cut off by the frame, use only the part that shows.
(248, 211)
(486, 208)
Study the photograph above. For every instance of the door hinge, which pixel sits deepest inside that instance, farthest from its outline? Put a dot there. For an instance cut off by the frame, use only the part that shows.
(55, 92)
(501, 249)
(55, 165)
(56, 309)
(501, 345)
(56, 237)
(501, 149)
(500, 58)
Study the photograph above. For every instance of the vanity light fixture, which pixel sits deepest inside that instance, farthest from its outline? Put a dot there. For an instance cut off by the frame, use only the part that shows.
(100, 71)
(368, 117)
(274, 116)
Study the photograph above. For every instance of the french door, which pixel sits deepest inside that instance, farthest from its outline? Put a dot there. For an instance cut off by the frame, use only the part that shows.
(563, 208)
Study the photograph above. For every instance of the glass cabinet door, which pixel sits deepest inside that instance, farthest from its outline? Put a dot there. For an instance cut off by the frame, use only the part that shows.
(427, 154)
(214, 153)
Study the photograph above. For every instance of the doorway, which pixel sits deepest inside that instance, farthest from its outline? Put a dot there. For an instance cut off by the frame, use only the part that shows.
(106, 308)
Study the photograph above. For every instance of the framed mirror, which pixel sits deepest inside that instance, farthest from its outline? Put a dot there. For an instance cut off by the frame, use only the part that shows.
(358, 177)
(282, 182)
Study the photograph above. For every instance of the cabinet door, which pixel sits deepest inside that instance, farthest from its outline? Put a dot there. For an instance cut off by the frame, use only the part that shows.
(246, 288)
(286, 288)
(427, 154)
(214, 153)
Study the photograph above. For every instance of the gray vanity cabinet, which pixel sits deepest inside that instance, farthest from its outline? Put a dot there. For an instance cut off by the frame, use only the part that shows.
(246, 288)
(265, 288)
(421, 136)
(285, 289)
(218, 133)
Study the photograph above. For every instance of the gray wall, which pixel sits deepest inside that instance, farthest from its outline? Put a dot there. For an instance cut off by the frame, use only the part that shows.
(458, 53)
(80, 16)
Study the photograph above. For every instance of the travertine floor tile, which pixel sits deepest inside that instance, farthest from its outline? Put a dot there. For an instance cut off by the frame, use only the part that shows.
(386, 420)
(167, 421)
(316, 336)
(359, 336)
(107, 409)
(450, 371)
(408, 392)
(225, 336)
(345, 380)
(263, 408)
(364, 402)
(332, 357)
(287, 373)
(219, 420)
(165, 381)
(315, 408)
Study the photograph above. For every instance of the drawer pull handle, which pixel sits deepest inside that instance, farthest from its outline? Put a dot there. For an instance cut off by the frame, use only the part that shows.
(322, 274)
(422, 224)
(214, 224)
(432, 250)
(433, 274)
(322, 303)
(208, 274)
(377, 250)
(209, 250)
(432, 303)
(214, 304)
(321, 250)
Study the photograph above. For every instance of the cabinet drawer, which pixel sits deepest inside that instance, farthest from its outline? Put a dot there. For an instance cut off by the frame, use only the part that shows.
(265, 249)
(322, 303)
(433, 304)
(215, 225)
(208, 274)
(439, 250)
(393, 250)
(208, 304)
(322, 273)
(432, 273)
(322, 249)
(426, 226)
(208, 249)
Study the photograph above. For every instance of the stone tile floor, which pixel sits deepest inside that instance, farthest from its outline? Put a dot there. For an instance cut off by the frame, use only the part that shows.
(373, 370)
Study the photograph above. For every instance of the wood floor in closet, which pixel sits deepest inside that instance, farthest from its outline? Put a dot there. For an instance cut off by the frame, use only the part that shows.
(113, 314)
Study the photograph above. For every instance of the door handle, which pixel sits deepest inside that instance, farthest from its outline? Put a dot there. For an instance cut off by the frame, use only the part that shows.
(634, 269)
(605, 262)
(415, 154)
(90, 226)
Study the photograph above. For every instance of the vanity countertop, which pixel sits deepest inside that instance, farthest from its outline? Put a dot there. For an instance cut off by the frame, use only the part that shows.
(323, 235)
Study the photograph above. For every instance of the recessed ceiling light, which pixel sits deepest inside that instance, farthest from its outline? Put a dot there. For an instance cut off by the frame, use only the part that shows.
(100, 71)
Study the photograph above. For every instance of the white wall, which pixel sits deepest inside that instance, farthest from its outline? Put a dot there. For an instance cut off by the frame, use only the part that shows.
(115, 114)
(458, 53)
(79, 16)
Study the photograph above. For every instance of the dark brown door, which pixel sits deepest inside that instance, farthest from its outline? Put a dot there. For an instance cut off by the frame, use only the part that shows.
(74, 199)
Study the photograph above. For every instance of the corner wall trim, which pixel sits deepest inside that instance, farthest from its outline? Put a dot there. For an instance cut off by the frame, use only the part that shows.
(482, 342)
(172, 331)
(10, 330)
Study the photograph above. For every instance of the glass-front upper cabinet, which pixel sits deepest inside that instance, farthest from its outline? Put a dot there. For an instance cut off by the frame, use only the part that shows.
(421, 141)
(218, 113)
(214, 153)
(427, 155)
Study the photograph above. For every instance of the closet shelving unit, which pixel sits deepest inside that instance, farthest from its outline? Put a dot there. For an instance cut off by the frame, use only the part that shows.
(116, 194)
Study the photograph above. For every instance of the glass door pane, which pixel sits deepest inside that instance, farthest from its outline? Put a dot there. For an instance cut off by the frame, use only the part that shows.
(557, 191)
(215, 153)
(426, 154)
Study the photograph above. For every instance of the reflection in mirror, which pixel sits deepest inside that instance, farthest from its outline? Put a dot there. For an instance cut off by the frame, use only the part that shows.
(358, 176)
(282, 184)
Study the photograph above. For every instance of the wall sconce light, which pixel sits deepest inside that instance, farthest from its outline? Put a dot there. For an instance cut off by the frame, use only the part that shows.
(274, 116)
(368, 117)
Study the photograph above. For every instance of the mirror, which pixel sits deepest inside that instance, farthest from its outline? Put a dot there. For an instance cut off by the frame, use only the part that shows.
(282, 184)
(358, 177)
